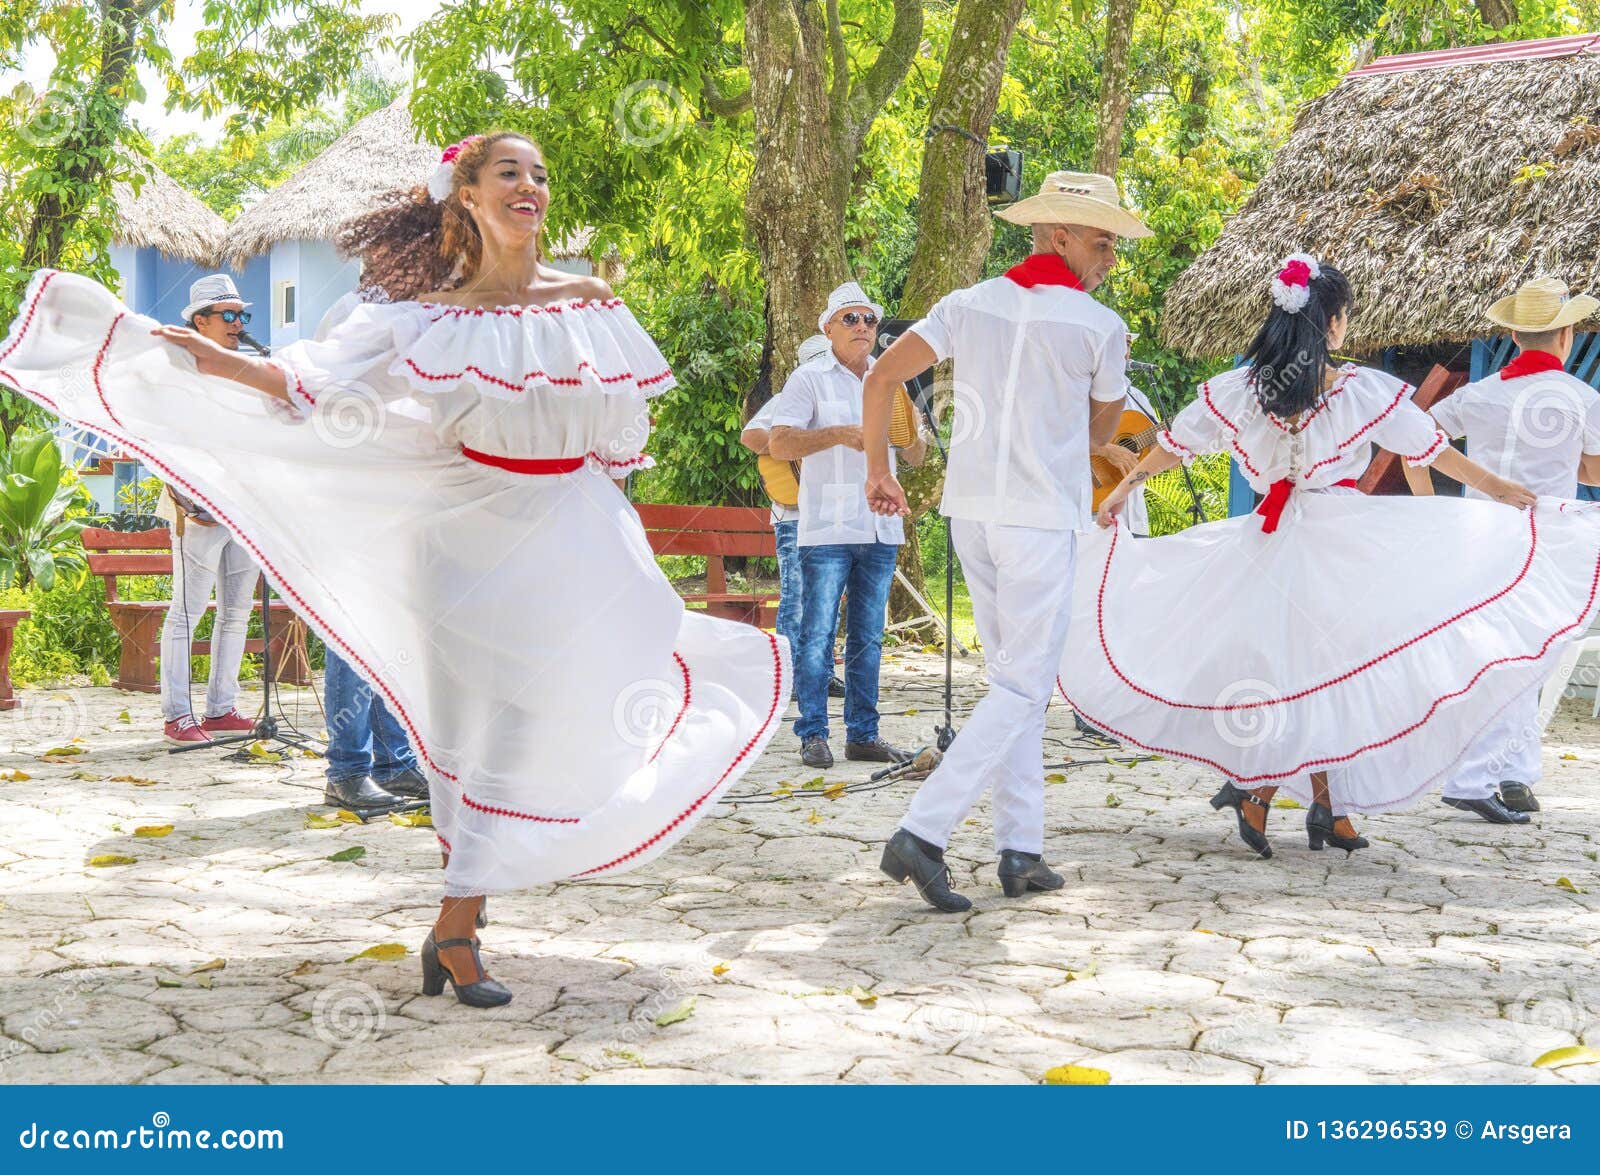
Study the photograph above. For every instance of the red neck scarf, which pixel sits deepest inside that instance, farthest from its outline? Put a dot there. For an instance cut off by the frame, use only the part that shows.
(1044, 269)
(1531, 363)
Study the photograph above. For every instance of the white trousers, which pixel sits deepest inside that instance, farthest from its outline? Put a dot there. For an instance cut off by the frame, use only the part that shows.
(1020, 580)
(205, 557)
(1506, 751)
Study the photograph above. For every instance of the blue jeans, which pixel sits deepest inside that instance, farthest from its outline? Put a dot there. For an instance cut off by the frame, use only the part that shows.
(865, 570)
(363, 737)
(790, 603)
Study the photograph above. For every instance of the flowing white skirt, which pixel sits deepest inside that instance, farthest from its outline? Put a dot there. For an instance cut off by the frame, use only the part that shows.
(572, 717)
(1372, 638)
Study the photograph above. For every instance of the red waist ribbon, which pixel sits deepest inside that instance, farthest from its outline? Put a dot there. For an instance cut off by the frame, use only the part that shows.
(547, 465)
(1271, 508)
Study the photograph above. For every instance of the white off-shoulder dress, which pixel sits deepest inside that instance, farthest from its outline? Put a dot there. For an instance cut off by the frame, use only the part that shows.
(439, 506)
(1369, 637)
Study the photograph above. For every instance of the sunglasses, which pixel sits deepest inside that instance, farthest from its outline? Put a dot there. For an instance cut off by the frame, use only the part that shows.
(851, 318)
(230, 316)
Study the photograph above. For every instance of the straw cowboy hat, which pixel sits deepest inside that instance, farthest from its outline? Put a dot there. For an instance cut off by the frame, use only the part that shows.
(1077, 197)
(1540, 305)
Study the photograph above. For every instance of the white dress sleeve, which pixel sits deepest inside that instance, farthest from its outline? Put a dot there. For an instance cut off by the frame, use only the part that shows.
(1400, 426)
(349, 356)
(1209, 423)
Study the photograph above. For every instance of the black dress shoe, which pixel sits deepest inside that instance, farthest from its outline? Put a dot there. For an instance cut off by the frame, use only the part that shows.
(1020, 872)
(359, 794)
(1492, 809)
(876, 751)
(410, 783)
(1518, 797)
(910, 858)
(814, 752)
(835, 688)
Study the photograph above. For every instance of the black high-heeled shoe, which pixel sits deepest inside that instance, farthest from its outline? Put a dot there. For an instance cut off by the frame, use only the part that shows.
(481, 993)
(1320, 829)
(1236, 798)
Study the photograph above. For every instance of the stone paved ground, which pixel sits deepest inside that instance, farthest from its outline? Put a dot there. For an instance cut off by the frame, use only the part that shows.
(1445, 953)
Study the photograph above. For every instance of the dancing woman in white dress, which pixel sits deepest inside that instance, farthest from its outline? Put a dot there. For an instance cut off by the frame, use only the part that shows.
(430, 485)
(1351, 643)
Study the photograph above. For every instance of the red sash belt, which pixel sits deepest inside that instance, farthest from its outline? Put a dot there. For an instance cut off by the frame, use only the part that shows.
(547, 465)
(1271, 508)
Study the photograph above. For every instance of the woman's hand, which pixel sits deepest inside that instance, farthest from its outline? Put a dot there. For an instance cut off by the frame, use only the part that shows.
(886, 496)
(209, 358)
(1512, 493)
(1112, 504)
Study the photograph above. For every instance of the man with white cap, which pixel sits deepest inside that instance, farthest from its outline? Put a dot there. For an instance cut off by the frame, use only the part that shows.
(786, 512)
(1533, 423)
(1040, 372)
(844, 546)
(206, 555)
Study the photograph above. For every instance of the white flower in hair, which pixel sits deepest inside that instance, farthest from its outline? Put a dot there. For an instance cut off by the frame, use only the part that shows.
(443, 177)
(1291, 288)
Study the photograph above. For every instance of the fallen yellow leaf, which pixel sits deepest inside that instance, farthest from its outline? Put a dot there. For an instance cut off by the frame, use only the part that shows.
(1570, 757)
(107, 859)
(418, 819)
(136, 780)
(813, 818)
(384, 952)
(862, 996)
(1285, 802)
(152, 830)
(62, 752)
(1572, 1054)
(15, 776)
(1566, 884)
(214, 965)
(88, 775)
(782, 793)
(682, 1012)
(348, 816)
(124, 717)
(833, 791)
(1112, 801)
(720, 969)
(1056, 777)
(316, 820)
(1076, 1075)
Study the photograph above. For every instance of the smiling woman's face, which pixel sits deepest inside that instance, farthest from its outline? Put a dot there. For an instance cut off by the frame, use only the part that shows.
(512, 191)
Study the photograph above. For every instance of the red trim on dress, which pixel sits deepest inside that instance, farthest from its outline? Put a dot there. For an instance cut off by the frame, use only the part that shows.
(1339, 452)
(27, 321)
(1439, 442)
(517, 311)
(682, 710)
(1105, 648)
(1169, 442)
(562, 381)
(772, 713)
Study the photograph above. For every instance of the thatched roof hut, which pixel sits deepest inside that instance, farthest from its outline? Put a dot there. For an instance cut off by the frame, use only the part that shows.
(1436, 181)
(167, 216)
(378, 155)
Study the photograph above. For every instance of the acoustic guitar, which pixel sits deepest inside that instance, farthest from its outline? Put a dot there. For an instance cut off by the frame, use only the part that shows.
(1136, 433)
(781, 479)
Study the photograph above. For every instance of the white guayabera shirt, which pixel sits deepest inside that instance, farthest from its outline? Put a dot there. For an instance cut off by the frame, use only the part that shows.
(1532, 428)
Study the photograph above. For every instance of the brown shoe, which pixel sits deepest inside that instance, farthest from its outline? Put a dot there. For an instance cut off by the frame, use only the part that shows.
(876, 751)
(814, 752)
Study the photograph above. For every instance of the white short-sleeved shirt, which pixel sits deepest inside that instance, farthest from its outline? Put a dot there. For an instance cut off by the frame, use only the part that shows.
(1532, 429)
(1334, 443)
(763, 419)
(833, 482)
(1027, 363)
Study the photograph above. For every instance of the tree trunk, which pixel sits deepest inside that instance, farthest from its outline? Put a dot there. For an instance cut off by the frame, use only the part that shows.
(1115, 93)
(95, 139)
(1497, 14)
(954, 227)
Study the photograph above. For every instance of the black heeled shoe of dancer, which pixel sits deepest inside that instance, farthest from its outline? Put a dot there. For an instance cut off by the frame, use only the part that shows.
(1236, 798)
(482, 993)
(1320, 830)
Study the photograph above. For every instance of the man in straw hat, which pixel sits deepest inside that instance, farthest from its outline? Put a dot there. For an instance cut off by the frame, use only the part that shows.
(1040, 371)
(1531, 422)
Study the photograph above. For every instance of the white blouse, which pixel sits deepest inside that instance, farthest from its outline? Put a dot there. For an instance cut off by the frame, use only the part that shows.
(1333, 441)
(568, 380)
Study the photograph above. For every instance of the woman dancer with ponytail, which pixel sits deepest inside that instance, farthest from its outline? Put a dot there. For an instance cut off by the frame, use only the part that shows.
(429, 483)
(1344, 648)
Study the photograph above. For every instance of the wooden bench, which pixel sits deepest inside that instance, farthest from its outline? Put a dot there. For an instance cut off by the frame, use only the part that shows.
(138, 622)
(9, 618)
(717, 532)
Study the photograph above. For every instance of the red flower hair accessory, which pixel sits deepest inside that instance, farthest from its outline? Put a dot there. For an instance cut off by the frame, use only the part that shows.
(1291, 289)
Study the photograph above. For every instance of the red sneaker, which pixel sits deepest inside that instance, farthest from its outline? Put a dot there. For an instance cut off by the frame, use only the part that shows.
(232, 722)
(184, 730)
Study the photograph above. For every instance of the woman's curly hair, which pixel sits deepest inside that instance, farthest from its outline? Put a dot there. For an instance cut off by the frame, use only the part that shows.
(411, 243)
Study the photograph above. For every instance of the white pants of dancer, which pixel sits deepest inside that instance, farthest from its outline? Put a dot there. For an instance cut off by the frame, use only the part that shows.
(205, 557)
(1020, 580)
(1506, 751)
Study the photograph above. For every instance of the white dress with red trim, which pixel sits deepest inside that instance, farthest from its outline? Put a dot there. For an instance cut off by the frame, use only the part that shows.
(1370, 637)
(439, 506)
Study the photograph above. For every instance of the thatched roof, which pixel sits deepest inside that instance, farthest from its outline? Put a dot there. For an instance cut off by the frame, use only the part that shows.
(1436, 182)
(379, 155)
(169, 217)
